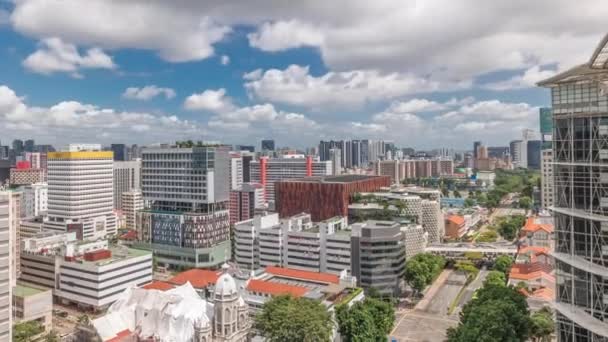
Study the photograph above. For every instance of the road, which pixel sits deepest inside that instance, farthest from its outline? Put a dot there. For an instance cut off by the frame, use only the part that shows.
(467, 295)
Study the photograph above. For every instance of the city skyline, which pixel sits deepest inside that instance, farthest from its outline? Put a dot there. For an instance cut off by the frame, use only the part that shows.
(244, 73)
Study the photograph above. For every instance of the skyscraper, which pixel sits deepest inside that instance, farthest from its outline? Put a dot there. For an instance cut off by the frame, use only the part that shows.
(18, 146)
(268, 145)
(80, 192)
(336, 161)
(120, 152)
(515, 147)
(580, 112)
(187, 223)
(476, 145)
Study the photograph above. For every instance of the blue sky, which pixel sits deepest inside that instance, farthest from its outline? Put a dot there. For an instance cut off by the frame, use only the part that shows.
(429, 74)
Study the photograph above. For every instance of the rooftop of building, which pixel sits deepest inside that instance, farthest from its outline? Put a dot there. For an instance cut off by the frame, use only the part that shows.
(24, 290)
(199, 278)
(534, 224)
(275, 289)
(303, 275)
(596, 68)
(333, 179)
(158, 285)
(456, 219)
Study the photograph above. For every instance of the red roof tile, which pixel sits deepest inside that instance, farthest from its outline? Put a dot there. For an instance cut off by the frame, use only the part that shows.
(275, 289)
(456, 219)
(158, 285)
(120, 336)
(130, 235)
(305, 275)
(532, 226)
(199, 278)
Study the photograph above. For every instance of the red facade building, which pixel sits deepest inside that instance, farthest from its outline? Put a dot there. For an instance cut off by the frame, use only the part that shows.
(323, 197)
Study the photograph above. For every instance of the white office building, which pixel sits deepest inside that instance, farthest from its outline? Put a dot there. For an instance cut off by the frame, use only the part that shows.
(91, 275)
(236, 171)
(127, 177)
(6, 268)
(132, 202)
(35, 199)
(80, 193)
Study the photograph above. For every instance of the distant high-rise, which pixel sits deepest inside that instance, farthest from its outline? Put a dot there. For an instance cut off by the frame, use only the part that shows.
(476, 145)
(120, 152)
(547, 187)
(268, 145)
(29, 146)
(336, 161)
(127, 177)
(533, 154)
(515, 148)
(80, 192)
(18, 146)
(580, 112)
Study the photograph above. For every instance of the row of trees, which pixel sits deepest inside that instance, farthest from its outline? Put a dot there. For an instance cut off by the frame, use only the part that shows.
(285, 318)
(500, 313)
(422, 269)
(29, 331)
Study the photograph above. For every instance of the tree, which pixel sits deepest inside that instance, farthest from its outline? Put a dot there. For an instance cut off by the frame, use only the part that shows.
(422, 269)
(495, 278)
(542, 325)
(487, 236)
(525, 202)
(469, 202)
(498, 313)
(370, 320)
(285, 318)
(24, 332)
(457, 194)
(503, 264)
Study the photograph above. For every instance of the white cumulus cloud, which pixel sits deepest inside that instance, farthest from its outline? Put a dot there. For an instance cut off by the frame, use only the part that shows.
(209, 100)
(283, 35)
(147, 93)
(54, 55)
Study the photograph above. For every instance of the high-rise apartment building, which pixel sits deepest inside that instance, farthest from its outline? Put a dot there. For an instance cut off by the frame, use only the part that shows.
(545, 116)
(132, 202)
(515, 148)
(120, 152)
(476, 145)
(267, 171)
(579, 100)
(236, 171)
(187, 223)
(335, 156)
(35, 200)
(244, 200)
(547, 188)
(80, 192)
(7, 270)
(127, 177)
(400, 170)
(29, 145)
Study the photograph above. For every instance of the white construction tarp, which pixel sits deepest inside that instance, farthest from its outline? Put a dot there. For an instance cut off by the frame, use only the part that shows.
(169, 316)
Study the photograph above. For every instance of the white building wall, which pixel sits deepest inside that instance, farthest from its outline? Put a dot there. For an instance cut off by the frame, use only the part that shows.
(546, 181)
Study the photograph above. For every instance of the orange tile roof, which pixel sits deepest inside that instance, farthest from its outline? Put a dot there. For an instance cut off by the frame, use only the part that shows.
(199, 278)
(120, 336)
(532, 226)
(275, 289)
(531, 271)
(536, 250)
(305, 275)
(158, 285)
(456, 219)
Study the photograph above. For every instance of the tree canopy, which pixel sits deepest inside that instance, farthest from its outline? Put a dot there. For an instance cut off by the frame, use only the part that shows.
(498, 314)
(422, 269)
(503, 264)
(542, 325)
(370, 320)
(285, 318)
(510, 227)
(24, 332)
(495, 278)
